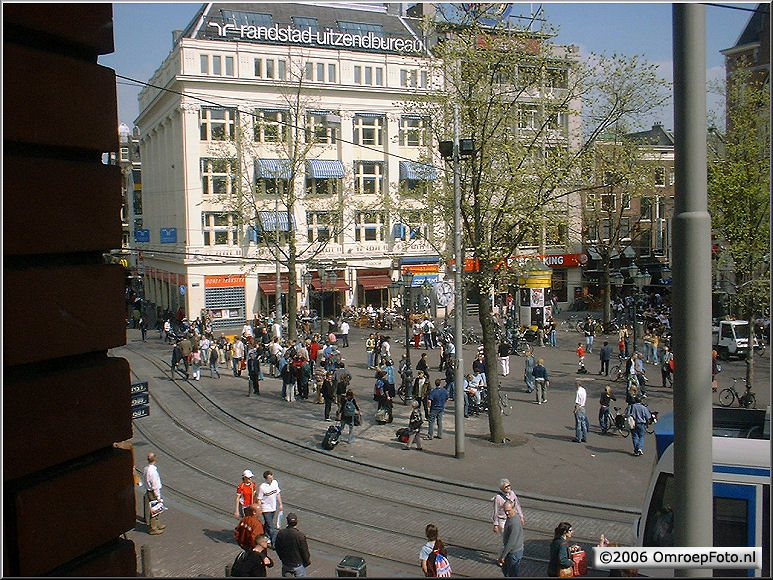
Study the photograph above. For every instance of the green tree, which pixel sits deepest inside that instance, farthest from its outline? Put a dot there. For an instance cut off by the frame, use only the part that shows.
(519, 97)
(739, 192)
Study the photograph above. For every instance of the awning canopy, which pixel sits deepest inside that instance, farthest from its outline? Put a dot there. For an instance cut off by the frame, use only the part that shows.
(272, 169)
(324, 169)
(339, 285)
(267, 221)
(419, 260)
(374, 282)
(593, 254)
(417, 171)
(267, 283)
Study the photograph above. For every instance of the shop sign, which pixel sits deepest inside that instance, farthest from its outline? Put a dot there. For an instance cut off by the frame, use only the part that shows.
(325, 38)
(421, 269)
(224, 281)
(168, 235)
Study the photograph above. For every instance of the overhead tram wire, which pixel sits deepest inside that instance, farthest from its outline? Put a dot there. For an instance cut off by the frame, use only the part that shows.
(735, 7)
(285, 123)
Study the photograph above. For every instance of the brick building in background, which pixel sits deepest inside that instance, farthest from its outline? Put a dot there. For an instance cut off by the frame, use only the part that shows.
(67, 491)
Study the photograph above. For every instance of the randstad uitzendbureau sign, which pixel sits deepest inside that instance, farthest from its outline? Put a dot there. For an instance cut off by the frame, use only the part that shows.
(326, 38)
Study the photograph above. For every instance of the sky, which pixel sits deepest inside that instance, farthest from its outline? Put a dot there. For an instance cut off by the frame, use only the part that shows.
(143, 38)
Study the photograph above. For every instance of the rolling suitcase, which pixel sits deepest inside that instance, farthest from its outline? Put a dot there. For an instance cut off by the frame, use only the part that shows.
(331, 437)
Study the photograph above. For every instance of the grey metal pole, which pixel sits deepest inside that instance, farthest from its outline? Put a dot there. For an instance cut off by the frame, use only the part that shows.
(458, 298)
(278, 264)
(692, 288)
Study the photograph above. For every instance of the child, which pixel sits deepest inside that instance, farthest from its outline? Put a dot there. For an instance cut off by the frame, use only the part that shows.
(621, 349)
(581, 359)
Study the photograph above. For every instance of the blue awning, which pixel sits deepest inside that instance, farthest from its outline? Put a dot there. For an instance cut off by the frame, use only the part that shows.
(267, 221)
(416, 171)
(272, 169)
(419, 260)
(324, 169)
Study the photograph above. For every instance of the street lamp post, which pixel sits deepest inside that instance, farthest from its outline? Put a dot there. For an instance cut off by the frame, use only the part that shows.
(327, 277)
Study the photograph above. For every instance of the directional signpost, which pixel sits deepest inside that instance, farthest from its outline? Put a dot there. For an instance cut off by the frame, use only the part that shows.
(140, 400)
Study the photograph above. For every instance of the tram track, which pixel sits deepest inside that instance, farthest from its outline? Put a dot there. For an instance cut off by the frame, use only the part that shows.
(350, 482)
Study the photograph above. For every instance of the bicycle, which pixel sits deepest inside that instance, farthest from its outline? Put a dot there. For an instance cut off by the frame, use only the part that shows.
(747, 400)
(617, 372)
(504, 404)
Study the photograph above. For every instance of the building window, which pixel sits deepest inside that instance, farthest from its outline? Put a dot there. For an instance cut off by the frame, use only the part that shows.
(557, 120)
(414, 132)
(272, 186)
(606, 227)
(368, 130)
(217, 124)
(204, 59)
(217, 176)
(220, 229)
(216, 67)
(644, 242)
(124, 154)
(316, 72)
(556, 78)
(590, 201)
(360, 28)
(660, 177)
(318, 130)
(645, 208)
(137, 202)
(323, 226)
(216, 64)
(410, 77)
(528, 76)
(625, 200)
(322, 186)
(625, 229)
(416, 227)
(364, 75)
(137, 224)
(368, 177)
(269, 68)
(556, 232)
(671, 176)
(229, 66)
(332, 75)
(369, 226)
(270, 126)
(528, 117)
(608, 202)
(304, 22)
(592, 233)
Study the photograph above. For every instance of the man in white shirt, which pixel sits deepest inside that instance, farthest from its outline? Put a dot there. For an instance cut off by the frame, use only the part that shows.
(270, 499)
(276, 329)
(237, 354)
(153, 482)
(580, 417)
(344, 327)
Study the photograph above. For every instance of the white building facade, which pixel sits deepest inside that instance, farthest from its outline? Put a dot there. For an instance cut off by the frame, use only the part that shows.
(266, 97)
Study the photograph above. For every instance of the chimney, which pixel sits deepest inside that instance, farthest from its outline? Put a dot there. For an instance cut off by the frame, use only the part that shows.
(176, 35)
(395, 8)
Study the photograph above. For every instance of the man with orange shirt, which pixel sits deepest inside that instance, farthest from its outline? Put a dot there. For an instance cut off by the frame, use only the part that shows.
(249, 528)
(245, 493)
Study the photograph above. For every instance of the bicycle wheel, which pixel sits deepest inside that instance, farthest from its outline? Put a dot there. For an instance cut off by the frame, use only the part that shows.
(465, 338)
(580, 326)
(748, 401)
(624, 430)
(504, 404)
(615, 373)
(726, 397)
(650, 428)
(520, 347)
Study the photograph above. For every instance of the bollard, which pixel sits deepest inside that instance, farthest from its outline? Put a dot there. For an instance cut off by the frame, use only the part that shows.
(227, 570)
(145, 566)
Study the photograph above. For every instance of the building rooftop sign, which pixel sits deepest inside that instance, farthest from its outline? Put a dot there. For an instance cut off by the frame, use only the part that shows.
(309, 36)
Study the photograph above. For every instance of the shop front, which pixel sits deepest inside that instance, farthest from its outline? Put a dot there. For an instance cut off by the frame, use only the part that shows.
(426, 273)
(328, 296)
(224, 300)
(373, 287)
(267, 292)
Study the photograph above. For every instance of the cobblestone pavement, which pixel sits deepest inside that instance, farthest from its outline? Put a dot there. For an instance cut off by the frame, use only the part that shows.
(541, 459)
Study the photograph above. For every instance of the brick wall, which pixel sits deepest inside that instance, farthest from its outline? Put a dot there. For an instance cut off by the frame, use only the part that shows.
(68, 494)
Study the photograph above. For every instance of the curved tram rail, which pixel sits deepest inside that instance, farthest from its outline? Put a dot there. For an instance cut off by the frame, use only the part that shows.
(375, 507)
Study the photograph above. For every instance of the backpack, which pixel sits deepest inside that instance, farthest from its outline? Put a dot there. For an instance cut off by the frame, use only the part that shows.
(442, 565)
(238, 568)
(350, 410)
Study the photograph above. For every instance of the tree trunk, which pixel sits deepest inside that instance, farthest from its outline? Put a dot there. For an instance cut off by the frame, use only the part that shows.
(606, 296)
(486, 318)
(292, 279)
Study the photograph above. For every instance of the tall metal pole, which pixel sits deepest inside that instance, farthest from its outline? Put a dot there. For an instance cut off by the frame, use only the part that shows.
(692, 288)
(458, 298)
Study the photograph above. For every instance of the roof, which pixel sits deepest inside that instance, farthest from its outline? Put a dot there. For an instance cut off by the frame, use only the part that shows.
(374, 17)
(655, 136)
(755, 27)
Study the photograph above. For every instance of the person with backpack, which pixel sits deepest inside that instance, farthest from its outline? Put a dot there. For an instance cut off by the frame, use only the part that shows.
(433, 557)
(350, 413)
(253, 562)
(341, 379)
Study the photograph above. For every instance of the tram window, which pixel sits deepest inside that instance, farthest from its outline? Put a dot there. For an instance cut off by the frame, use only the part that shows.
(730, 528)
(659, 530)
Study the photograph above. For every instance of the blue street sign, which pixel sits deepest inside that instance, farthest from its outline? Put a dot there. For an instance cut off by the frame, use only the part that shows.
(168, 235)
(141, 235)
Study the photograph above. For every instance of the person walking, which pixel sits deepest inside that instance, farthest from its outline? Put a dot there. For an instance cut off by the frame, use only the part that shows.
(253, 370)
(560, 559)
(153, 486)
(529, 365)
(436, 400)
(580, 417)
(328, 393)
(589, 330)
(581, 359)
(504, 357)
(541, 381)
(666, 367)
(249, 528)
(344, 328)
(245, 493)
(640, 415)
(605, 355)
(214, 356)
(512, 543)
(715, 368)
(505, 494)
(270, 499)
(237, 354)
(350, 413)
(196, 363)
(253, 562)
(414, 426)
(292, 548)
(341, 379)
(429, 552)
(143, 324)
(370, 344)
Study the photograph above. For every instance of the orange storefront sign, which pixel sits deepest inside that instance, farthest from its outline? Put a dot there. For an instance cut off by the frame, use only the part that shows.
(224, 281)
(421, 268)
(552, 260)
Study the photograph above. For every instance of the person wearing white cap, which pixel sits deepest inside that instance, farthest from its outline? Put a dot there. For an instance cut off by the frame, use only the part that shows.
(245, 493)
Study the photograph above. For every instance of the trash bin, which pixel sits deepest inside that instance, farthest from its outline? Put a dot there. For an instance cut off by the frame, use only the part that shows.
(352, 566)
